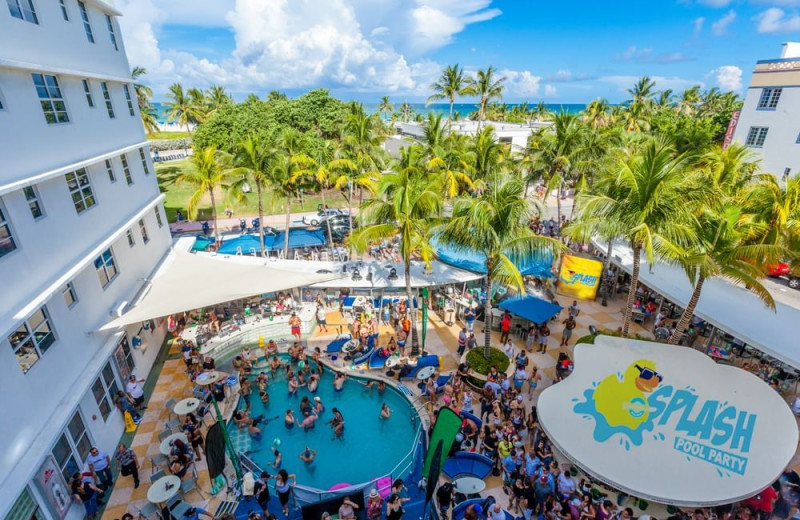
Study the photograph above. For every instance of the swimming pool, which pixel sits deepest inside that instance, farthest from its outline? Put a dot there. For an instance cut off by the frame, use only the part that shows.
(369, 448)
(249, 243)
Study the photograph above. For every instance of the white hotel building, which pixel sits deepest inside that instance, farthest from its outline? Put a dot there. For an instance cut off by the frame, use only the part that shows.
(770, 118)
(82, 226)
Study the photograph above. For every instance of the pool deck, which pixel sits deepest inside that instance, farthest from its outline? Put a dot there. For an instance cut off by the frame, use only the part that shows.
(173, 383)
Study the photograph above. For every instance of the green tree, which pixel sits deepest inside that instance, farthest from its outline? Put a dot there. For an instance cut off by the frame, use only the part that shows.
(143, 96)
(495, 223)
(408, 204)
(385, 106)
(211, 171)
(451, 84)
(286, 174)
(216, 98)
(776, 208)
(362, 144)
(487, 86)
(180, 107)
(650, 199)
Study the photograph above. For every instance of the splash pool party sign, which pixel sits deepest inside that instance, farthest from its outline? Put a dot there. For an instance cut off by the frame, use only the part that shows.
(579, 277)
(668, 424)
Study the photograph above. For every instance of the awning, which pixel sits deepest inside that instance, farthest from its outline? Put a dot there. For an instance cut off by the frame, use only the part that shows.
(537, 265)
(531, 308)
(189, 281)
(249, 243)
(668, 424)
(733, 309)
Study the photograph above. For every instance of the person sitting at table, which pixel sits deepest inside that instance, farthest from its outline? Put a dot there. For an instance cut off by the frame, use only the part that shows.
(650, 308)
(401, 341)
(209, 364)
(195, 437)
(177, 466)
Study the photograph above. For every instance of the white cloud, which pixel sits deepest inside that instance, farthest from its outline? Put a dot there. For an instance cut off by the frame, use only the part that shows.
(550, 91)
(719, 27)
(775, 20)
(662, 83)
(698, 26)
(646, 55)
(521, 83)
(728, 78)
(282, 44)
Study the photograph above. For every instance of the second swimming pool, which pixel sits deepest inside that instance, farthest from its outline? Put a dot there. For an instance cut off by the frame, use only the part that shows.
(370, 447)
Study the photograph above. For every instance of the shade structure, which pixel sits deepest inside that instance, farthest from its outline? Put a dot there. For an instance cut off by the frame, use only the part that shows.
(248, 243)
(668, 424)
(189, 281)
(531, 308)
(535, 265)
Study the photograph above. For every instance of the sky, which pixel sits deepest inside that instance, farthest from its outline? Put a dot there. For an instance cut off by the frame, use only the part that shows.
(556, 51)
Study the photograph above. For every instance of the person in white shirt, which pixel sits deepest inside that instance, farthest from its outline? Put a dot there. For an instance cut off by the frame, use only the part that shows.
(134, 389)
(496, 512)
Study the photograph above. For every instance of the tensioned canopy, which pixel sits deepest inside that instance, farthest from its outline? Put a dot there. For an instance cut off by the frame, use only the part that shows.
(534, 265)
(189, 281)
(531, 308)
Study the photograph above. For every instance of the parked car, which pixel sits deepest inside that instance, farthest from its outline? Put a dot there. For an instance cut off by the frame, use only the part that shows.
(781, 269)
(319, 218)
(340, 227)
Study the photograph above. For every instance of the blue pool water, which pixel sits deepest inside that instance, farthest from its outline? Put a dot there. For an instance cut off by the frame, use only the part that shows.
(369, 448)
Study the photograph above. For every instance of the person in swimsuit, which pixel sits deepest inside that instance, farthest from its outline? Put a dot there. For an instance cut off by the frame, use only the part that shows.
(284, 488)
(386, 412)
(307, 455)
(318, 406)
(338, 382)
(288, 419)
(337, 423)
(308, 420)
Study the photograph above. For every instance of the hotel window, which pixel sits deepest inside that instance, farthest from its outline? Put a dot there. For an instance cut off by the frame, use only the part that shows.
(106, 268)
(129, 235)
(53, 106)
(143, 229)
(123, 357)
(72, 447)
(111, 34)
(7, 243)
(104, 389)
(81, 190)
(33, 201)
(23, 9)
(110, 170)
(769, 98)
(126, 169)
(25, 507)
(87, 89)
(86, 25)
(756, 136)
(158, 217)
(68, 292)
(107, 97)
(143, 157)
(64, 12)
(127, 91)
(32, 339)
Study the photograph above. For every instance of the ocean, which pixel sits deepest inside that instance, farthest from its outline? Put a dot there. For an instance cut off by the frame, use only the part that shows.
(464, 109)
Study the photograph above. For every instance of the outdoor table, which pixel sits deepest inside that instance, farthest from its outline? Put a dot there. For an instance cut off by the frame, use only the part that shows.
(351, 345)
(186, 406)
(469, 485)
(393, 361)
(166, 445)
(425, 372)
(208, 378)
(163, 489)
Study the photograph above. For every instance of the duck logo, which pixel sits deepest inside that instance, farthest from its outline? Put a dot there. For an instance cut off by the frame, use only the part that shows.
(640, 406)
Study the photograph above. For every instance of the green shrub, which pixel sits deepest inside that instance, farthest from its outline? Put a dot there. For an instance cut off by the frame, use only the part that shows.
(589, 338)
(481, 365)
(170, 144)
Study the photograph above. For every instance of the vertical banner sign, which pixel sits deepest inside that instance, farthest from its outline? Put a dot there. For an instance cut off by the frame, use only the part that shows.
(579, 277)
(52, 485)
(731, 128)
(424, 316)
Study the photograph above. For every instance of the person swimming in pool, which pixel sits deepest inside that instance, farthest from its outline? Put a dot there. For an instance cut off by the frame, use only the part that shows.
(274, 364)
(294, 385)
(264, 397)
(318, 406)
(305, 405)
(337, 423)
(338, 382)
(308, 420)
(386, 412)
(307, 455)
(278, 458)
(313, 382)
(381, 387)
(254, 431)
(288, 419)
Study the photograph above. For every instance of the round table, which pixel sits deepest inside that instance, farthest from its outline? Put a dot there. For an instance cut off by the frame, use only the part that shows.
(186, 406)
(166, 445)
(393, 361)
(350, 346)
(425, 372)
(469, 485)
(208, 378)
(163, 489)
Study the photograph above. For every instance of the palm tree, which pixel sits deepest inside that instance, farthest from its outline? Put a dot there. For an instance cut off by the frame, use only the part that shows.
(597, 114)
(650, 200)
(690, 99)
(451, 84)
(406, 111)
(285, 176)
(143, 96)
(198, 100)
(495, 223)
(776, 208)
(210, 172)
(251, 163)
(385, 106)
(407, 204)
(149, 120)
(180, 107)
(725, 249)
(445, 157)
(363, 145)
(643, 91)
(216, 98)
(664, 98)
(486, 87)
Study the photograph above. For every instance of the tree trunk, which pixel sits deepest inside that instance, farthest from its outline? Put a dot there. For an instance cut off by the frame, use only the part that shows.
(260, 218)
(214, 214)
(688, 312)
(480, 117)
(487, 316)
(450, 117)
(286, 231)
(626, 322)
(412, 313)
(350, 205)
(327, 222)
(558, 206)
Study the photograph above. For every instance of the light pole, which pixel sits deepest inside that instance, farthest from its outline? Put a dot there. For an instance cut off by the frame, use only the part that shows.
(209, 379)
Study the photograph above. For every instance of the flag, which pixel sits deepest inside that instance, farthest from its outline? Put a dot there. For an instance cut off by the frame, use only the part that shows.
(447, 425)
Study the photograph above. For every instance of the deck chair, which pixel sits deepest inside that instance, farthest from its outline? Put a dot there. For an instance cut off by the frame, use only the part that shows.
(147, 511)
(190, 484)
(157, 475)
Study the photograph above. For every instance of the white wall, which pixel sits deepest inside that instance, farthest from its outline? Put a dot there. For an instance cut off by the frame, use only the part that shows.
(780, 149)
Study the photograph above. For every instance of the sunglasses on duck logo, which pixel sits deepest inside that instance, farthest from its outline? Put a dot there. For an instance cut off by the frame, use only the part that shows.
(648, 374)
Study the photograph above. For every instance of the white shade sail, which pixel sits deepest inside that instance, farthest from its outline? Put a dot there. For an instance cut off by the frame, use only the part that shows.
(188, 281)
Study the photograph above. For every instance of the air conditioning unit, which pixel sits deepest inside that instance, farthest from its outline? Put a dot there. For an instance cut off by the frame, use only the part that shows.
(119, 309)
